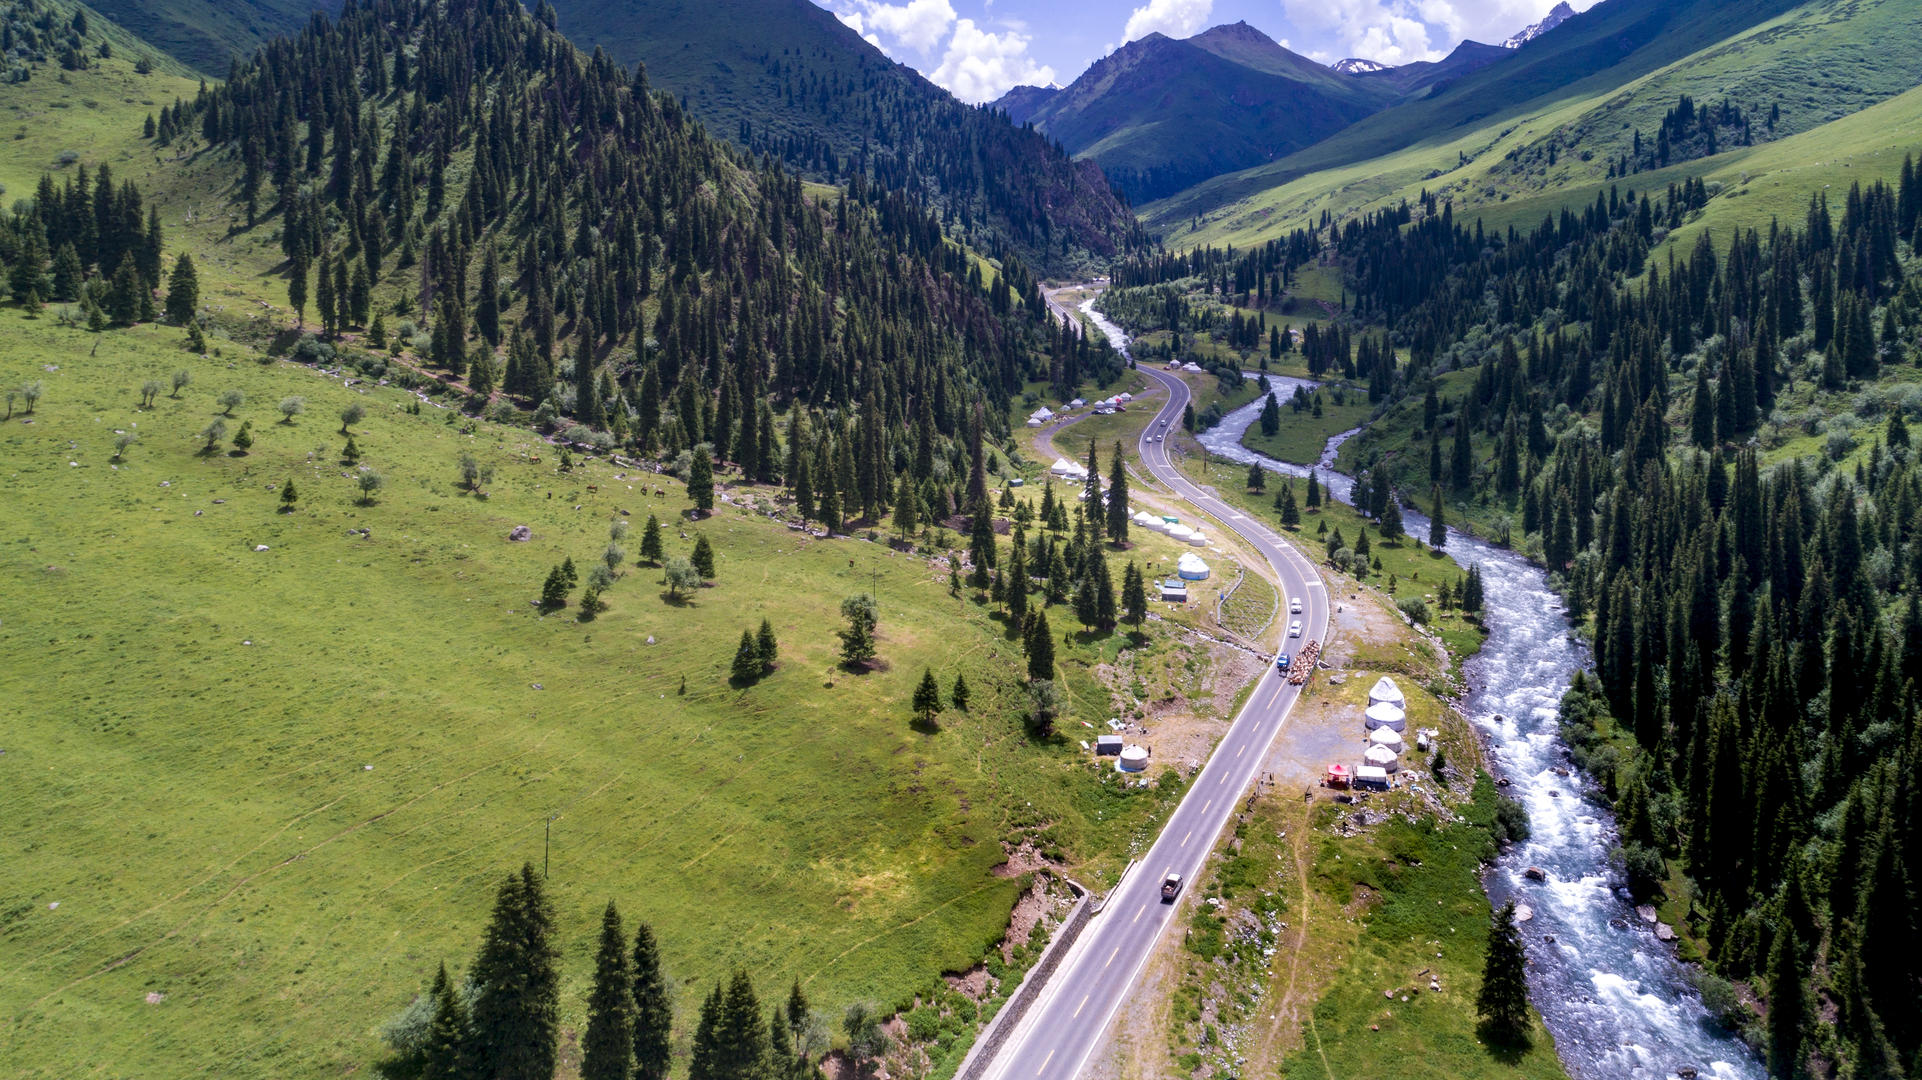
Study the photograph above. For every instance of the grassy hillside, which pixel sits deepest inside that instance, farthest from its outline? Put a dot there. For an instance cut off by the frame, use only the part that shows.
(284, 782)
(205, 34)
(1815, 63)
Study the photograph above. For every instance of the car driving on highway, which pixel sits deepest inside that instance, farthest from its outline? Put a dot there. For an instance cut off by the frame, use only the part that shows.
(1170, 887)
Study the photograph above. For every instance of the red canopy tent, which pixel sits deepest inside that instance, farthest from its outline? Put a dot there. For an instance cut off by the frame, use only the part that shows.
(1338, 775)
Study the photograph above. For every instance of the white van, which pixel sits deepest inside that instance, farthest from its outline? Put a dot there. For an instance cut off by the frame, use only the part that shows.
(1294, 628)
(1294, 605)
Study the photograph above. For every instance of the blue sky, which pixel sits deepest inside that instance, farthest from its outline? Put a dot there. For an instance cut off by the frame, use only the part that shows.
(980, 48)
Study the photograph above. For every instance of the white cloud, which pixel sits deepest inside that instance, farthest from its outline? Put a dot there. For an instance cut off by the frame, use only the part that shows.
(1175, 18)
(918, 25)
(981, 66)
(1400, 31)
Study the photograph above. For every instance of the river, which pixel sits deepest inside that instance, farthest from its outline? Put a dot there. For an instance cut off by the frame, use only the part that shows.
(1615, 997)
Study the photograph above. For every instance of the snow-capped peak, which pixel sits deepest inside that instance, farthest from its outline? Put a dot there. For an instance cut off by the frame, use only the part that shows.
(1357, 66)
(1558, 15)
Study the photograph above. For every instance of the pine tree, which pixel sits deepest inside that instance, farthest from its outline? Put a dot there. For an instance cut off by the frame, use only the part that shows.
(1462, 468)
(1134, 596)
(1391, 525)
(1285, 503)
(1271, 417)
(288, 495)
(700, 481)
(653, 1011)
(1503, 999)
(440, 1056)
(958, 696)
(183, 290)
(747, 660)
(765, 644)
(1257, 478)
(607, 1047)
(1040, 647)
(1313, 500)
(703, 557)
(1787, 1007)
(1437, 522)
(514, 1030)
(1096, 518)
(652, 550)
(1118, 519)
(927, 699)
(906, 508)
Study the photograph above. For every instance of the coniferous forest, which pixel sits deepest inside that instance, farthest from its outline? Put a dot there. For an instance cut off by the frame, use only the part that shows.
(1757, 628)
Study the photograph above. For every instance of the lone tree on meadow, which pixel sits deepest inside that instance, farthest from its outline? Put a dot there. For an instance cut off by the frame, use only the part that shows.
(121, 442)
(288, 496)
(1257, 478)
(958, 696)
(213, 433)
(473, 474)
(680, 575)
(181, 380)
(149, 390)
(291, 407)
(351, 415)
(703, 558)
(857, 641)
(1502, 1002)
(651, 549)
(927, 699)
(370, 483)
(244, 438)
(769, 648)
(554, 590)
(229, 400)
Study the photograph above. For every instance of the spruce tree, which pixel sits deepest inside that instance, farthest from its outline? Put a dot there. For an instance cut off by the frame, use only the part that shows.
(653, 1010)
(958, 696)
(1502, 1000)
(765, 644)
(1040, 647)
(514, 1033)
(607, 1046)
(1134, 595)
(440, 1056)
(703, 557)
(1437, 521)
(652, 550)
(183, 290)
(747, 660)
(1118, 519)
(1096, 517)
(927, 698)
(1788, 1008)
(700, 481)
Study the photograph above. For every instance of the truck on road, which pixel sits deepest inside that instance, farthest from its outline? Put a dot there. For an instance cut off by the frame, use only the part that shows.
(1170, 887)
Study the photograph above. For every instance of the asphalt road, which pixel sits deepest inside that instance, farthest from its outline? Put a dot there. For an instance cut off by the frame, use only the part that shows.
(1070, 1022)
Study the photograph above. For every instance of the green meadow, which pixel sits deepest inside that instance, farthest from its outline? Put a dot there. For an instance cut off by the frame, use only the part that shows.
(263, 770)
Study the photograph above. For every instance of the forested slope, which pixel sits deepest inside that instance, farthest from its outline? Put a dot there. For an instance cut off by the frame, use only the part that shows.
(1710, 451)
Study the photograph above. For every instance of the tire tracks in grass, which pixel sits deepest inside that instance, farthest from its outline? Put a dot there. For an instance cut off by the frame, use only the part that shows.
(128, 957)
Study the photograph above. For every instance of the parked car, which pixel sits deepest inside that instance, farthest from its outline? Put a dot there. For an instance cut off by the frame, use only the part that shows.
(1294, 628)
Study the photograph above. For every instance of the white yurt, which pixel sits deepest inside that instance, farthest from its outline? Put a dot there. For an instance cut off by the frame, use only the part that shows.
(1380, 757)
(1144, 520)
(1388, 737)
(1387, 716)
(1190, 568)
(1133, 759)
(1180, 532)
(1385, 690)
(1062, 467)
(1196, 538)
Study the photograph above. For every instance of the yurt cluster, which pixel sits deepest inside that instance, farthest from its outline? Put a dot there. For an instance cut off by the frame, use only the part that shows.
(1385, 723)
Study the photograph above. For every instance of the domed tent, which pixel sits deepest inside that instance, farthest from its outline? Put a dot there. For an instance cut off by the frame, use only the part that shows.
(1385, 715)
(1191, 568)
(1388, 737)
(1383, 758)
(1386, 691)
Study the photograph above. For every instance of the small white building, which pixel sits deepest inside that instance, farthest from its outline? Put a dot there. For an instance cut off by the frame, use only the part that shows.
(1190, 568)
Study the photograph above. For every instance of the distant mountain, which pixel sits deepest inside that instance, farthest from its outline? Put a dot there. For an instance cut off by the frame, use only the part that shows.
(1159, 115)
(1022, 102)
(1356, 66)
(787, 78)
(1426, 77)
(1557, 15)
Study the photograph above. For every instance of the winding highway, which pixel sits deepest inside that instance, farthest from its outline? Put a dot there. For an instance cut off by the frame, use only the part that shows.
(1071, 1019)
